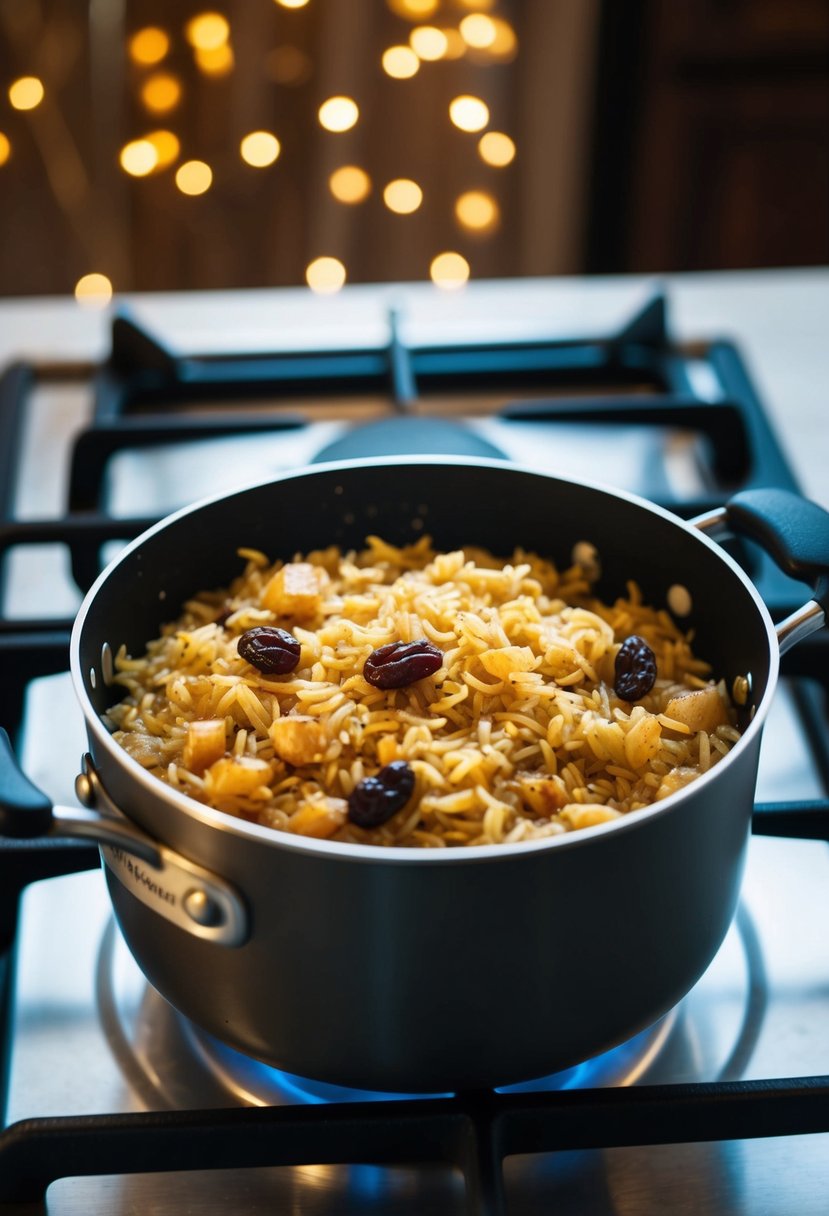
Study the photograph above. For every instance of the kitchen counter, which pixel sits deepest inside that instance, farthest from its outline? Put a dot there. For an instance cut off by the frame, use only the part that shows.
(780, 319)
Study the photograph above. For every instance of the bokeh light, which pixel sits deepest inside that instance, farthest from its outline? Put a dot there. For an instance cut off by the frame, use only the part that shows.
(292, 3)
(400, 62)
(5, 148)
(402, 196)
(161, 92)
(148, 46)
(414, 10)
(93, 291)
(478, 30)
(260, 149)
(26, 93)
(505, 44)
(194, 177)
(449, 271)
(207, 31)
(428, 42)
(217, 61)
(288, 65)
(167, 147)
(139, 157)
(349, 184)
(338, 114)
(496, 149)
(325, 275)
(469, 113)
(478, 210)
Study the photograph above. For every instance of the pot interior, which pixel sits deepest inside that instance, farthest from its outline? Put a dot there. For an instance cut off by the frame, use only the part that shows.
(488, 504)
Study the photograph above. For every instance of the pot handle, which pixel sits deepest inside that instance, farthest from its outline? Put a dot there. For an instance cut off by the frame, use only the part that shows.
(795, 533)
(201, 903)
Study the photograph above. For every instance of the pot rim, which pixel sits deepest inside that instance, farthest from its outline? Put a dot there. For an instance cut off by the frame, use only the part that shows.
(406, 854)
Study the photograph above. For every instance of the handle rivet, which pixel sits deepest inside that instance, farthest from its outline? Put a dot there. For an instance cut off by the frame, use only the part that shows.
(202, 909)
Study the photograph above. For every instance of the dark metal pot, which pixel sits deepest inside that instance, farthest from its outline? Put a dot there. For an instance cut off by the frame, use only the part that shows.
(428, 970)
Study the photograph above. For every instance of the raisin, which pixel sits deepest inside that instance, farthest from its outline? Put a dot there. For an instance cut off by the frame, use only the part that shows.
(402, 663)
(635, 669)
(376, 799)
(271, 651)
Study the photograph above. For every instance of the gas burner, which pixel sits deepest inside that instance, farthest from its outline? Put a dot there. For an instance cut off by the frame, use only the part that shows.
(173, 1063)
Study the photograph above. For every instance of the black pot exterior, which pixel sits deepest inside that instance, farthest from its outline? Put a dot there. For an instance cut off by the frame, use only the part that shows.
(396, 969)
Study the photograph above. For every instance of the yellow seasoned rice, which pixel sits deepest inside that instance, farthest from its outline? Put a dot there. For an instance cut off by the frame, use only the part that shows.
(518, 735)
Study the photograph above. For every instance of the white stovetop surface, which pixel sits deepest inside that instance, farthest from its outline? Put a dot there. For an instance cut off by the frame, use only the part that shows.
(780, 319)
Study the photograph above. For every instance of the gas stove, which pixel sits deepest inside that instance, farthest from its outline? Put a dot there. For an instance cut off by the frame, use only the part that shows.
(118, 1104)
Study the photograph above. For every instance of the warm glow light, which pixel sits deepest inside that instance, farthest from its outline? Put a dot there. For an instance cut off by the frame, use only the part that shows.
(478, 30)
(505, 43)
(477, 210)
(325, 275)
(288, 65)
(338, 114)
(161, 92)
(449, 271)
(93, 291)
(455, 46)
(402, 196)
(413, 10)
(428, 42)
(139, 157)
(215, 62)
(5, 148)
(349, 184)
(260, 149)
(166, 145)
(292, 3)
(149, 45)
(207, 31)
(400, 62)
(496, 149)
(194, 177)
(484, 5)
(26, 93)
(469, 113)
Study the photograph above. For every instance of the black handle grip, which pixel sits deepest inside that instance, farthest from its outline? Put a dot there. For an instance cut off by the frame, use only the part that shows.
(25, 811)
(792, 530)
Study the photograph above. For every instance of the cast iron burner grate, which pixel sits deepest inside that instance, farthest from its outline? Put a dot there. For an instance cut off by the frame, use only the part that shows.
(143, 396)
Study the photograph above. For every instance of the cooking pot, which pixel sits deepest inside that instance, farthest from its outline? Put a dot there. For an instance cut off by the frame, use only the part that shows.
(430, 970)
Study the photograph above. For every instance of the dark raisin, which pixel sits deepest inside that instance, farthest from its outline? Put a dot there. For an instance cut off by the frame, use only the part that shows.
(402, 663)
(271, 651)
(635, 669)
(376, 799)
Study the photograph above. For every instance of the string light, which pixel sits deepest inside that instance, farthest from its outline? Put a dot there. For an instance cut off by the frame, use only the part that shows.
(496, 149)
(161, 92)
(428, 42)
(194, 177)
(402, 196)
(413, 10)
(478, 30)
(93, 291)
(292, 3)
(139, 157)
(260, 149)
(449, 271)
(217, 61)
(207, 31)
(166, 145)
(469, 113)
(349, 184)
(5, 148)
(26, 93)
(148, 46)
(325, 275)
(477, 210)
(338, 114)
(400, 62)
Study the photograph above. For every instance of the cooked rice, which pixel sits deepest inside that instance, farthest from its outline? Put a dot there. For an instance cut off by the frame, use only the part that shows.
(519, 735)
